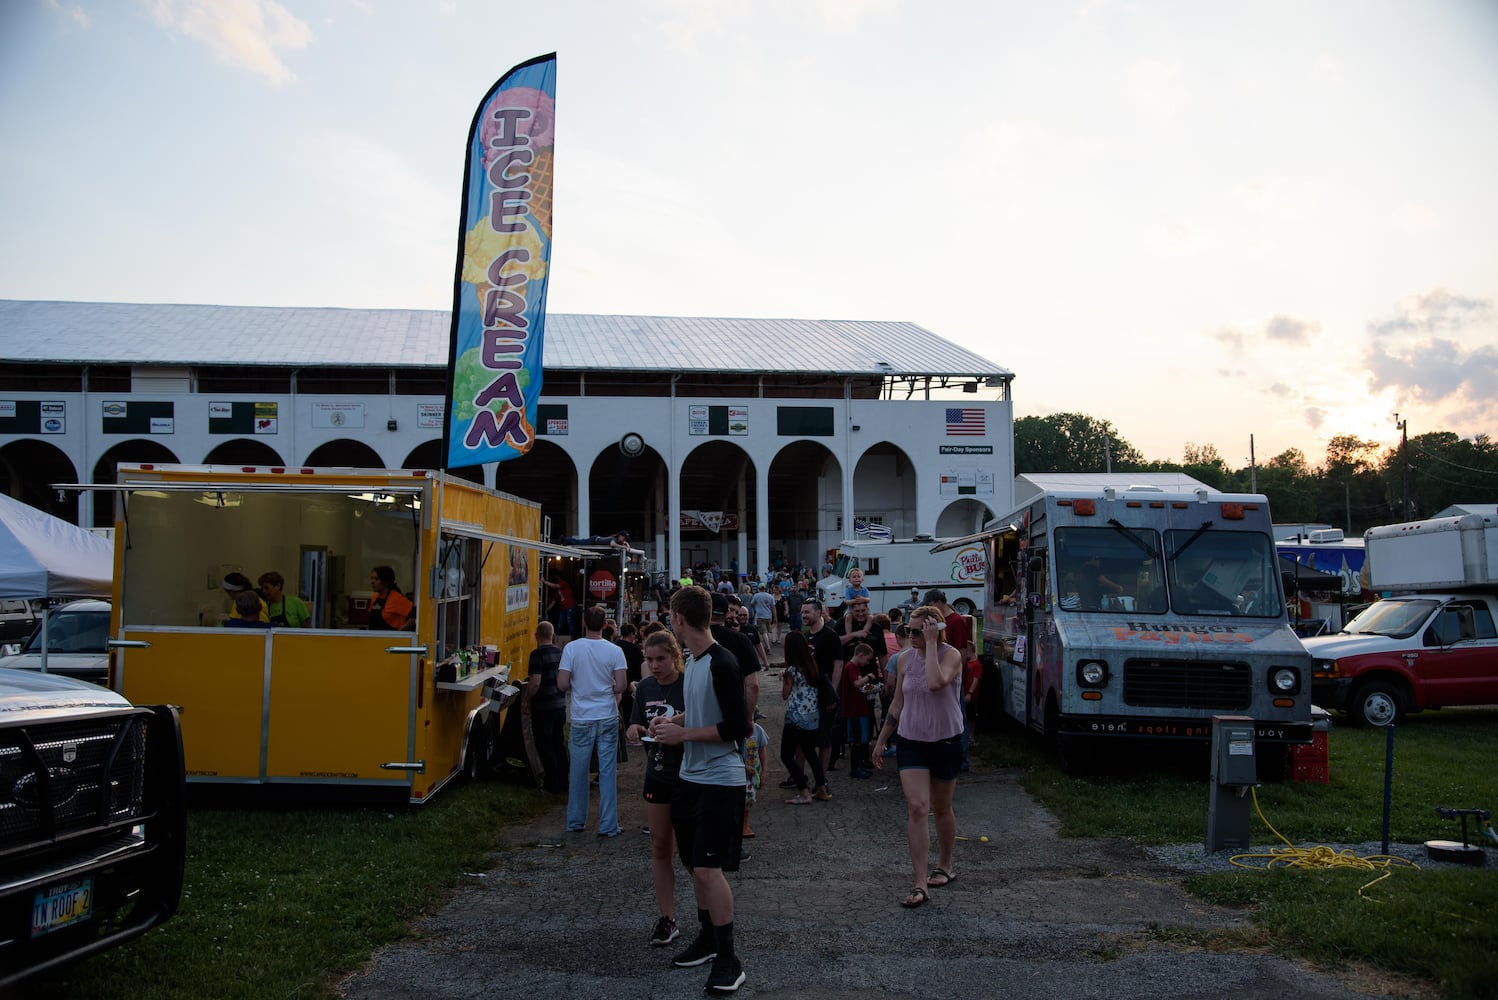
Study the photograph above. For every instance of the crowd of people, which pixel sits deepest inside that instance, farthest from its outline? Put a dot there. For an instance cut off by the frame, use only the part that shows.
(888, 690)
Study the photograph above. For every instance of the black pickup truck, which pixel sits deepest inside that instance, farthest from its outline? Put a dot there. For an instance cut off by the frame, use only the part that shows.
(93, 821)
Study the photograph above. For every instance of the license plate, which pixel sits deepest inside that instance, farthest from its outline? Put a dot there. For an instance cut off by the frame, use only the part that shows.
(61, 906)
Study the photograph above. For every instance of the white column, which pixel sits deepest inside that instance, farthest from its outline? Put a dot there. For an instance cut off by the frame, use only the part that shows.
(741, 500)
(762, 520)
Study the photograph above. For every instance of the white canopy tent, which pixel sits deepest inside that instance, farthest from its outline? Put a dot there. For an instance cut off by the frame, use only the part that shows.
(45, 556)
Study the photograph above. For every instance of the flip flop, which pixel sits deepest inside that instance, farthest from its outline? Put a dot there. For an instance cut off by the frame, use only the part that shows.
(917, 896)
(940, 877)
(798, 802)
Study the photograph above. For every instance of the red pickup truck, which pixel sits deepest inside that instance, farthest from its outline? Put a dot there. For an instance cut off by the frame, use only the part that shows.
(1408, 653)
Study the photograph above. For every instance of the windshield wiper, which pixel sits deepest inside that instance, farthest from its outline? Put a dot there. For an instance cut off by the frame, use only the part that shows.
(1118, 526)
(1189, 542)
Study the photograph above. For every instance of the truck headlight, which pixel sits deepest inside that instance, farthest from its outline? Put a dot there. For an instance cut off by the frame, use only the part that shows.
(1092, 673)
(1323, 669)
(1284, 680)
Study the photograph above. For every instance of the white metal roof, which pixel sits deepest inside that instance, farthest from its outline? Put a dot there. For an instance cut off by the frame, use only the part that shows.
(1032, 484)
(128, 333)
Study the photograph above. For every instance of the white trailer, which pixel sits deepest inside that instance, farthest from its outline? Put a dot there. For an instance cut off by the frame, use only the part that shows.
(893, 567)
(1440, 553)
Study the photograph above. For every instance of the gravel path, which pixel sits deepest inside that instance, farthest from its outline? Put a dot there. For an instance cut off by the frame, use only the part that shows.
(1030, 915)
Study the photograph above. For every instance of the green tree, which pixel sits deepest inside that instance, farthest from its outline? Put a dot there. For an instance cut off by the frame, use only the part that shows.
(1071, 442)
(1290, 485)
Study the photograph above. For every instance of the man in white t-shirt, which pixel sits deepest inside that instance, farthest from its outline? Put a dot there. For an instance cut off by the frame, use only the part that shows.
(593, 670)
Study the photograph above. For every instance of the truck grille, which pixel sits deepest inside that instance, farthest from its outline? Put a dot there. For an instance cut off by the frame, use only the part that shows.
(1194, 684)
(77, 775)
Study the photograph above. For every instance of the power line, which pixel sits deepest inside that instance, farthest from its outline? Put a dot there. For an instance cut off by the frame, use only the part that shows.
(1447, 461)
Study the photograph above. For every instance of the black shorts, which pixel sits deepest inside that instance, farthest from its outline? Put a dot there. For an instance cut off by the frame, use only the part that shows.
(709, 824)
(943, 758)
(659, 791)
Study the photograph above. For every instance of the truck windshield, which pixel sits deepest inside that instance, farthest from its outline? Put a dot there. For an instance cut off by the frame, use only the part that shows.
(1217, 572)
(1114, 569)
(1394, 618)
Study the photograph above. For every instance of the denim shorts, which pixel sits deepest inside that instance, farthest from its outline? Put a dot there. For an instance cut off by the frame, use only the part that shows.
(943, 758)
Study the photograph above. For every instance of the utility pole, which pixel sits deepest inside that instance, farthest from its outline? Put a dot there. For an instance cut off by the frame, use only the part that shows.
(1404, 454)
(1253, 470)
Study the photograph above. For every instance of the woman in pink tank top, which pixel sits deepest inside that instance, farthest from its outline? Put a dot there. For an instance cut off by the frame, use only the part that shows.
(927, 715)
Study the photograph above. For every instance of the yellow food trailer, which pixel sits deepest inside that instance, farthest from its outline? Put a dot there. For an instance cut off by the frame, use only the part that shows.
(329, 705)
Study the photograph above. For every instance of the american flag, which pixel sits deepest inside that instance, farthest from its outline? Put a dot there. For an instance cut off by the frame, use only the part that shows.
(965, 421)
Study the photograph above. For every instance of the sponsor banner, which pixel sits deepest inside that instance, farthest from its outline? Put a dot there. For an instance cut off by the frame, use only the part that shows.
(338, 415)
(504, 258)
(29, 416)
(242, 418)
(967, 483)
(429, 415)
(119, 416)
(965, 449)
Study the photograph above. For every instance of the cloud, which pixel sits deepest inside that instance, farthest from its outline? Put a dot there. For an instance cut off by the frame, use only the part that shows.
(1415, 218)
(249, 34)
(1154, 88)
(1291, 331)
(75, 13)
(1229, 338)
(1434, 312)
(1282, 391)
(1434, 370)
(1315, 416)
(1327, 70)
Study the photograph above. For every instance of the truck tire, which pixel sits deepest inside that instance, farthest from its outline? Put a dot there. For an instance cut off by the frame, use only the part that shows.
(483, 748)
(1376, 703)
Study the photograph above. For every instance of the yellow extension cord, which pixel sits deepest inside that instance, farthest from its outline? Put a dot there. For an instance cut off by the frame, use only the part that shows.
(1321, 856)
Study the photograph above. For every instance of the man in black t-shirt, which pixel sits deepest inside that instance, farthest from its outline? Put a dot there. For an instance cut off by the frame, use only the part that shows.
(547, 707)
(828, 650)
(731, 639)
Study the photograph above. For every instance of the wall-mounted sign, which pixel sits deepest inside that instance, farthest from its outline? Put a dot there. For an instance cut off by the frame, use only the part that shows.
(338, 415)
(136, 417)
(243, 418)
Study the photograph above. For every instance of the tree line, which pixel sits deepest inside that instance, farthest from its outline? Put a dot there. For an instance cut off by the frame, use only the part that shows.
(1358, 483)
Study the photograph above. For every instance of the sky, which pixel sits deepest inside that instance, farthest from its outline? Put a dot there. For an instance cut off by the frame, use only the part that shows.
(1209, 223)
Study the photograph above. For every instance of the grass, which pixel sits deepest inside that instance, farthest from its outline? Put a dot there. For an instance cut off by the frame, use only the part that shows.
(1440, 927)
(283, 901)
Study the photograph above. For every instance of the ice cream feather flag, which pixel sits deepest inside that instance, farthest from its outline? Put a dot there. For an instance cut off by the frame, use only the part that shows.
(504, 258)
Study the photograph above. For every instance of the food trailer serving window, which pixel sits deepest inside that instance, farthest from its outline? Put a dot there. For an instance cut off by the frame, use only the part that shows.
(459, 562)
(180, 544)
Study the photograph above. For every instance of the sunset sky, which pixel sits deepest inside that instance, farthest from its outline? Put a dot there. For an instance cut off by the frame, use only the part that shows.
(1200, 221)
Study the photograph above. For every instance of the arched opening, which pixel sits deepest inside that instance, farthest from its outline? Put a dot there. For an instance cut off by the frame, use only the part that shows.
(344, 454)
(884, 489)
(28, 468)
(622, 493)
(546, 475)
(800, 478)
(137, 450)
(244, 451)
(718, 478)
(428, 455)
(963, 517)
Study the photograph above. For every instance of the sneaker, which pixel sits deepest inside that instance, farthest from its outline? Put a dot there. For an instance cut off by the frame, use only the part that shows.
(727, 975)
(665, 932)
(861, 773)
(701, 950)
(788, 783)
(743, 854)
